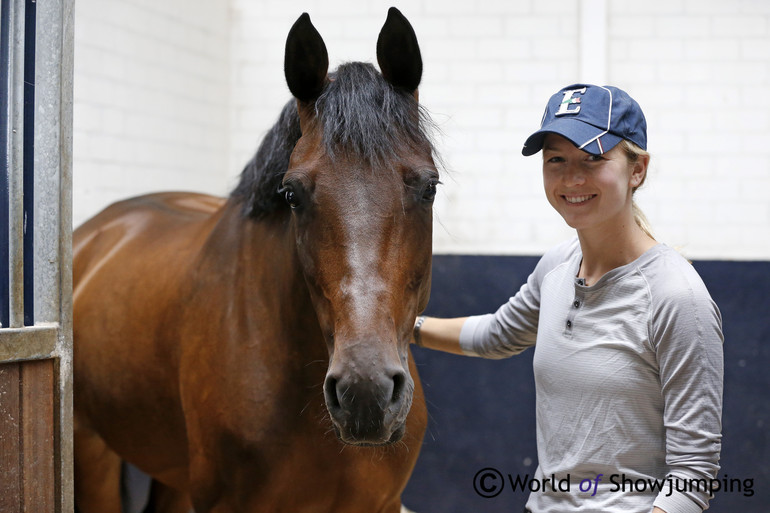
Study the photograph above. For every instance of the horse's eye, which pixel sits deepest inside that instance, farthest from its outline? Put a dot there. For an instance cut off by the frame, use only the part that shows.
(291, 198)
(429, 194)
(290, 195)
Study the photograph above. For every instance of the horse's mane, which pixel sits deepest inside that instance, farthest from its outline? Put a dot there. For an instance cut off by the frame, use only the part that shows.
(362, 116)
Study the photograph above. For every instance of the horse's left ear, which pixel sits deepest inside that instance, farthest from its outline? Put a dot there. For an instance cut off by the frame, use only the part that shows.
(306, 61)
(398, 53)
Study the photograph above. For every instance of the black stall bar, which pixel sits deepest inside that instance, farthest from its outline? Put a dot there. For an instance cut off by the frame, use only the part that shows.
(28, 189)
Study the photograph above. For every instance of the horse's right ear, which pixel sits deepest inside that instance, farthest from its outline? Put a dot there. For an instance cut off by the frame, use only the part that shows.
(398, 53)
(306, 61)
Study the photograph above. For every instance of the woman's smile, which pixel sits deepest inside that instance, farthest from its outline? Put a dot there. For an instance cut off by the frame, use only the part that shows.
(578, 200)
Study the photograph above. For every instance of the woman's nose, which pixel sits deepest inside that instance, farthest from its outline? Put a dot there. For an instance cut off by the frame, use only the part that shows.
(573, 175)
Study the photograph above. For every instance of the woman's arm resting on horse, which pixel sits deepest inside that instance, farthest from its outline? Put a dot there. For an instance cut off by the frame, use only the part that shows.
(441, 334)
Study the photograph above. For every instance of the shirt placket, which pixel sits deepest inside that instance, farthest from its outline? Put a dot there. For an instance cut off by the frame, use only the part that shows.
(577, 303)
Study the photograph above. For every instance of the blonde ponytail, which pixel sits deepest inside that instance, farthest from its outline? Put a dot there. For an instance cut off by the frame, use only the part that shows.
(641, 220)
(633, 152)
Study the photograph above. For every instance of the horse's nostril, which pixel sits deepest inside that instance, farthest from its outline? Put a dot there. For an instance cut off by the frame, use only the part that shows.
(399, 381)
(330, 387)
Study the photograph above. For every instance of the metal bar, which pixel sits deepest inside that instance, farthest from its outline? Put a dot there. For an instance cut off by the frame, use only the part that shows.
(47, 165)
(65, 16)
(15, 160)
(28, 204)
(5, 262)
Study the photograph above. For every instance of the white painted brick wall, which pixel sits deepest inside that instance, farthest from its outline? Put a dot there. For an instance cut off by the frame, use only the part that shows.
(151, 99)
(178, 94)
(699, 73)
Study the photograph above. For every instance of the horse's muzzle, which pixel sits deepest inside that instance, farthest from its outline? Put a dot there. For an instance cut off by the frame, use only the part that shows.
(369, 408)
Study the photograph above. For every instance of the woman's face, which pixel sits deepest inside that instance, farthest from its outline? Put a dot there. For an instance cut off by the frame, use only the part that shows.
(590, 191)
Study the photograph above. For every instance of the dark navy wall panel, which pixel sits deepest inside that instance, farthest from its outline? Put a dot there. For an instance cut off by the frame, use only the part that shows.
(482, 412)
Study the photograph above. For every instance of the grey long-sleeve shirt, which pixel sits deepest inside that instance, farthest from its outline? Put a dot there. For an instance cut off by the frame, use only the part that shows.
(628, 378)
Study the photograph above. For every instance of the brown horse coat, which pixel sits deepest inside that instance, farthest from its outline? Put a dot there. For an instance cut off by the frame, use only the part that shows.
(225, 347)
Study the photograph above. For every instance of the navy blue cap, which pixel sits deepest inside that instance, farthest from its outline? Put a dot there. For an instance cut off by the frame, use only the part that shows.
(594, 118)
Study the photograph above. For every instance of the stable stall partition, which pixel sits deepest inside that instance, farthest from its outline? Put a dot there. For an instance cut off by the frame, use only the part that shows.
(35, 256)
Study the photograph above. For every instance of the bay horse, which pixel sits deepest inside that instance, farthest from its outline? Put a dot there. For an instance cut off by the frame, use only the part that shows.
(251, 354)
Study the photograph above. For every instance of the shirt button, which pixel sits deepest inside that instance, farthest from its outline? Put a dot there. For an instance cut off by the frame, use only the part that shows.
(569, 324)
(576, 304)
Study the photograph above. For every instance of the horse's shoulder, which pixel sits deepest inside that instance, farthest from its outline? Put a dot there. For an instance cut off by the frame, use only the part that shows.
(190, 202)
(179, 206)
(178, 203)
(161, 216)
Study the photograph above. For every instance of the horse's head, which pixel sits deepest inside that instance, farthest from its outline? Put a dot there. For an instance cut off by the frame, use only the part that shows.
(361, 182)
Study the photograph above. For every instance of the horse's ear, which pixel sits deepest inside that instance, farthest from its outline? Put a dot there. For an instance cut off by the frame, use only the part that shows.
(306, 61)
(398, 53)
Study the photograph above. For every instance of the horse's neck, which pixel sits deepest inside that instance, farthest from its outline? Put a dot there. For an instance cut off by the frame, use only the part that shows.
(256, 264)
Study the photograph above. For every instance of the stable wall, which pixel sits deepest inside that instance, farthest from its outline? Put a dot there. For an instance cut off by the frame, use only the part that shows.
(177, 95)
(151, 97)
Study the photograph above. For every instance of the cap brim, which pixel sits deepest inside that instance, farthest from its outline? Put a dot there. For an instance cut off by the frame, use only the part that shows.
(583, 135)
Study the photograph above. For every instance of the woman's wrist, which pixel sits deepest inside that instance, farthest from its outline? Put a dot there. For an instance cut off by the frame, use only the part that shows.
(438, 334)
(416, 332)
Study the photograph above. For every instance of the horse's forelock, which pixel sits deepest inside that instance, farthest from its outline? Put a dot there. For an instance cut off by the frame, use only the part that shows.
(362, 117)
(366, 118)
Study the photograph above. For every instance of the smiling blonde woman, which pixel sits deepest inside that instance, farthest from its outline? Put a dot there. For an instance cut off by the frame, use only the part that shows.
(628, 359)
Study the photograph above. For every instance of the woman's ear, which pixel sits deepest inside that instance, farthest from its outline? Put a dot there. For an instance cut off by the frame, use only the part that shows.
(639, 171)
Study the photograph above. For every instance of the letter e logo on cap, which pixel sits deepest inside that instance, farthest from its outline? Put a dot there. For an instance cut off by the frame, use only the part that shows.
(569, 100)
